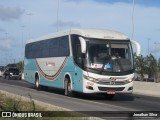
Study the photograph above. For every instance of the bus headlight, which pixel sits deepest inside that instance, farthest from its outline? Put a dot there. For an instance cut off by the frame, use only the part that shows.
(89, 78)
(129, 80)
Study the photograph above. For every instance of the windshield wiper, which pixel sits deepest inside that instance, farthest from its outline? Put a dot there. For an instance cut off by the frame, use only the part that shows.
(120, 65)
(106, 59)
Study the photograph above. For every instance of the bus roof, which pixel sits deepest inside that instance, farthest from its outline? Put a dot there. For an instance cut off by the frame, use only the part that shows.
(88, 33)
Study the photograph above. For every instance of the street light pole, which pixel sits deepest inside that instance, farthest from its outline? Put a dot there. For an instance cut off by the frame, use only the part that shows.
(58, 16)
(29, 14)
(23, 44)
(148, 45)
(22, 35)
(6, 37)
(156, 48)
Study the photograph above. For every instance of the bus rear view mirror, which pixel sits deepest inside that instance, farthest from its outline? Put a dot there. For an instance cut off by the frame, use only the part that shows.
(138, 47)
(83, 44)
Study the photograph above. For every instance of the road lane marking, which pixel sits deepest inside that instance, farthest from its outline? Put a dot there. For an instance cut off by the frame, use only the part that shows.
(77, 99)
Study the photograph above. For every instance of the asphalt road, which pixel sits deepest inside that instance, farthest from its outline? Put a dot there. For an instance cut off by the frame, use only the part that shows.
(82, 102)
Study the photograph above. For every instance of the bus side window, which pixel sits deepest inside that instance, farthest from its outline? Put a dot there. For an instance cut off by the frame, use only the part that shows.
(76, 48)
(79, 55)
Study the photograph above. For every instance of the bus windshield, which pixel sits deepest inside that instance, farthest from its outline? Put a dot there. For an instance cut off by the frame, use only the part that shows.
(110, 55)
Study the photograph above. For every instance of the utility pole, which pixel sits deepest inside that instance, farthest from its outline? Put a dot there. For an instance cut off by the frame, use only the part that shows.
(156, 47)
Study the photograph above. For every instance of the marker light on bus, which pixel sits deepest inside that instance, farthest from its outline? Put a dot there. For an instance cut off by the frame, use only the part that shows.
(97, 80)
(90, 78)
(129, 80)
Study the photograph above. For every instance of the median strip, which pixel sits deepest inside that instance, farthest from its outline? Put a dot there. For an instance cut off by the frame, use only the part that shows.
(20, 106)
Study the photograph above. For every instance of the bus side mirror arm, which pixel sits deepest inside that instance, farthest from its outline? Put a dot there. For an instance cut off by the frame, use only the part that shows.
(138, 47)
(83, 45)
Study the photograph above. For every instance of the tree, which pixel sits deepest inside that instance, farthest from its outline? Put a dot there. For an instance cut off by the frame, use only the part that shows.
(140, 66)
(10, 65)
(152, 67)
(158, 73)
(148, 65)
(159, 65)
(20, 66)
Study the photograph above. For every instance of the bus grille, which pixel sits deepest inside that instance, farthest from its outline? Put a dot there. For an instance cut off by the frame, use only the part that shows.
(110, 88)
(115, 83)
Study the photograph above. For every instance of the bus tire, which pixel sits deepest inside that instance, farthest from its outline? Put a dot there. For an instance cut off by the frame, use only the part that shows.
(37, 85)
(67, 87)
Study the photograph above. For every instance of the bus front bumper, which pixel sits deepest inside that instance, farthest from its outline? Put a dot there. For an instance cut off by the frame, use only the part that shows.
(92, 87)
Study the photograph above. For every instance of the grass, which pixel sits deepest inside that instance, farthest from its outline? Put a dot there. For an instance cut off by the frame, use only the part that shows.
(17, 104)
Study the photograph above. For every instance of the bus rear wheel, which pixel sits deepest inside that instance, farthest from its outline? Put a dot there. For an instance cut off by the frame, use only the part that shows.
(67, 88)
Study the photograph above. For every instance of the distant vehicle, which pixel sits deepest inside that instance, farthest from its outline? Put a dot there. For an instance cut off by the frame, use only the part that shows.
(82, 60)
(1, 71)
(13, 73)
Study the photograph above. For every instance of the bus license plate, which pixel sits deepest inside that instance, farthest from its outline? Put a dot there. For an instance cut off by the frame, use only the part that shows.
(111, 92)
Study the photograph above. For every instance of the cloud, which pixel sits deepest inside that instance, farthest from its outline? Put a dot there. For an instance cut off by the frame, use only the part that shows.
(76, 1)
(157, 30)
(5, 45)
(84, 14)
(70, 24)
(8, 13)
(156, 48)
(2, 30)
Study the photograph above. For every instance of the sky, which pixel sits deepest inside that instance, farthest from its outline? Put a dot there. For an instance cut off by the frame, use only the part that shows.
(21, 20)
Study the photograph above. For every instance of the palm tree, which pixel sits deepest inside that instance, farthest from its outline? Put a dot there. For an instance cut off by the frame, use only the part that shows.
(152, 67)
(140, 66)
(159, 65)
(147, 65)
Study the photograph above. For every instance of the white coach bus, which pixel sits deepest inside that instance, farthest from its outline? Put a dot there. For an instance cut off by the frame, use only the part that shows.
(82, 60)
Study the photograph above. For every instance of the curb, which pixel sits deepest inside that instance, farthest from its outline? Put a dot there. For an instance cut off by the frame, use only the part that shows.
(146, 88)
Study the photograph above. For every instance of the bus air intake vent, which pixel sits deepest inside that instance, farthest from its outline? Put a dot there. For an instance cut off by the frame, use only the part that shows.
(110, 88)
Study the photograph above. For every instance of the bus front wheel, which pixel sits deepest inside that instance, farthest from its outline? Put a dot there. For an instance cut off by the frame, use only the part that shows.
(67, 87)
(37, 85)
